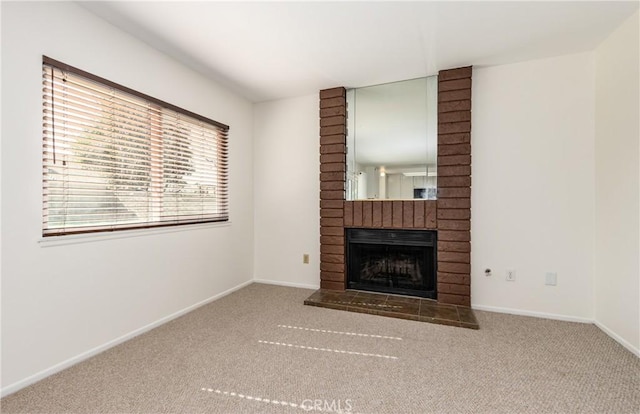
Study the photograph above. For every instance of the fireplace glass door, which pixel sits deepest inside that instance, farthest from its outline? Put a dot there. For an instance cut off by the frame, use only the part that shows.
(392, 261)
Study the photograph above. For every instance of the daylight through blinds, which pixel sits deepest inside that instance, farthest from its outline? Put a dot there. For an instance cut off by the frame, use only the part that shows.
(113, 159)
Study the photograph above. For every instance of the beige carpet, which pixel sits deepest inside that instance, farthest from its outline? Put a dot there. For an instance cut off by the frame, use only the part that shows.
(260, 350)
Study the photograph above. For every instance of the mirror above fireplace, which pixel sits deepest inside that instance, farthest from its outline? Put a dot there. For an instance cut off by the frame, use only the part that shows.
(392, 141)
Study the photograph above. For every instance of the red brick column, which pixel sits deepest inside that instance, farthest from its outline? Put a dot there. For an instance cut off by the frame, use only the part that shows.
(450, 215)
(333, 132)
(454, 186)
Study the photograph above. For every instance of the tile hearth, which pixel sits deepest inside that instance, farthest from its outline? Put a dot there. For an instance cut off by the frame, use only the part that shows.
(394, 306)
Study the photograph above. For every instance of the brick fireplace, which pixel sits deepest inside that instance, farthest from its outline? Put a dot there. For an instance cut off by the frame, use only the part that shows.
(449, 215)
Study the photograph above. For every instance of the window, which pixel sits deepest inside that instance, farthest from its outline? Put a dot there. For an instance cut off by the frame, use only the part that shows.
(117, 159)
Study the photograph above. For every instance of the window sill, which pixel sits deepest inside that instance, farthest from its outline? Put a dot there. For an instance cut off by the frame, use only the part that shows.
(123, 234)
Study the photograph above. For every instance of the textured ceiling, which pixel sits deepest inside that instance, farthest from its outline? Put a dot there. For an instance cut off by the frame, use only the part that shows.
(272, 50)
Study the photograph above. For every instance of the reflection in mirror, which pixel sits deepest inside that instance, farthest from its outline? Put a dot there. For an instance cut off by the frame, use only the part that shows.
(392, 140)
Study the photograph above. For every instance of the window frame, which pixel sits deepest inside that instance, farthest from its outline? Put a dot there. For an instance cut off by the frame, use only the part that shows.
(221, 170)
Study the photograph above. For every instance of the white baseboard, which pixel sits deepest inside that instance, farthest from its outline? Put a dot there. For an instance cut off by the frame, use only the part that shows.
(601, 326)
(618, 339)
(288, 284)
(10, 389)
(532, 313)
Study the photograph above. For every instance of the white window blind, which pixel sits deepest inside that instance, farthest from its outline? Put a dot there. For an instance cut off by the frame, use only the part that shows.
(115, 159)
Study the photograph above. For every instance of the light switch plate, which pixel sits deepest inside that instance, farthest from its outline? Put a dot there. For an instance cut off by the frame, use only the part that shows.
(551, 279)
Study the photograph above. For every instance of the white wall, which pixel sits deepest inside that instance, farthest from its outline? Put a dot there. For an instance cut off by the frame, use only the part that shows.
(532, 186)
(60, 302)
(533, 198)
(533, 192)
(617, 179)
(287, 189)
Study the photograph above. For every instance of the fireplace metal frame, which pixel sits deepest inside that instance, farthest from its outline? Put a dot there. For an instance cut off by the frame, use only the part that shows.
(393, 237)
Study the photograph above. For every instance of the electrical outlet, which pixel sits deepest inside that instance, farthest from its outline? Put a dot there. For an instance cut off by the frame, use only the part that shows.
(305, 258)
(511, 275)
(551, 279)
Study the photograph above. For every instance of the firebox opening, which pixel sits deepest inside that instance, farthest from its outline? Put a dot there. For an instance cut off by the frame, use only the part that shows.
(392, 261)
